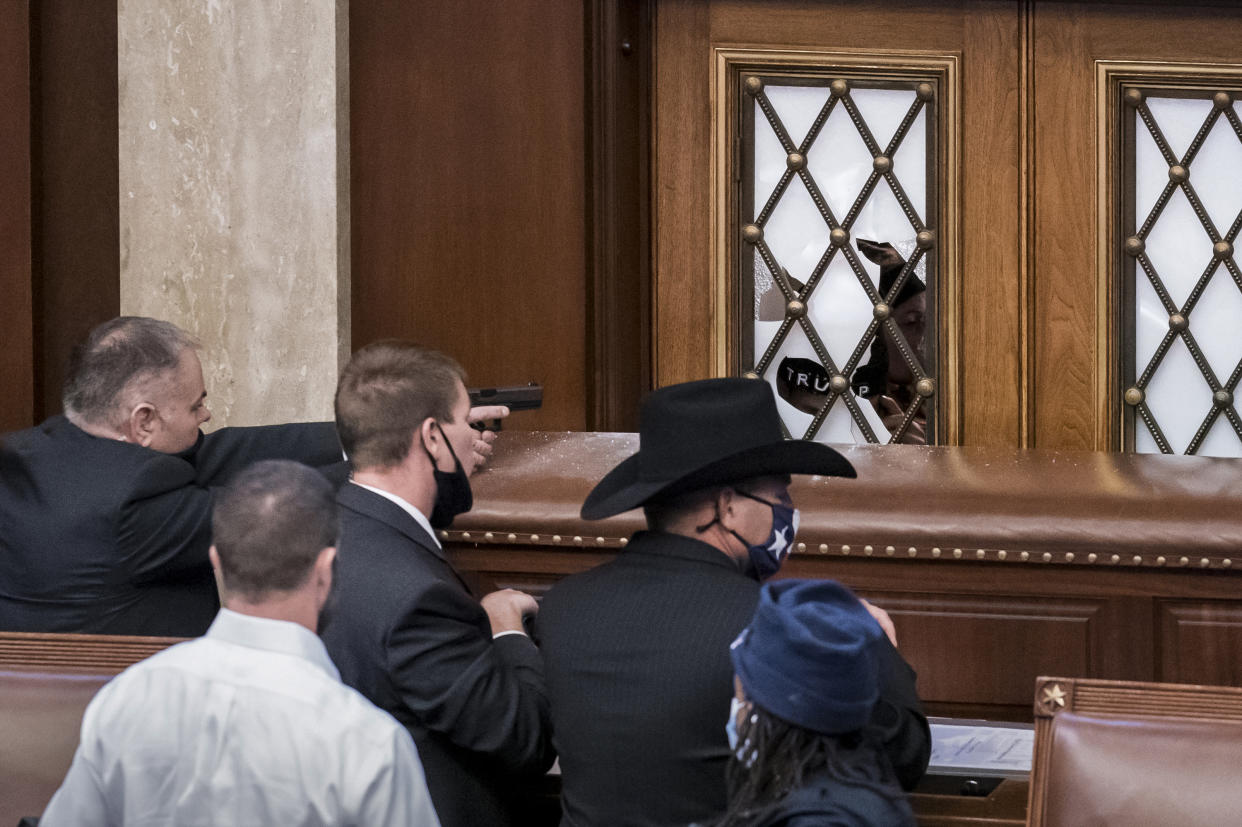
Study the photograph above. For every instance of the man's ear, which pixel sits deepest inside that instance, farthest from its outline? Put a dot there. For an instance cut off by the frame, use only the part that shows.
(323, 572)
(214, 557)
(141, 424)
(429, 435)
(725, 499)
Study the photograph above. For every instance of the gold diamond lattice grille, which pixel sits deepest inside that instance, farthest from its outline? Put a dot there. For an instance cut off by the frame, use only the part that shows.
(832, 194)
(1185, 312)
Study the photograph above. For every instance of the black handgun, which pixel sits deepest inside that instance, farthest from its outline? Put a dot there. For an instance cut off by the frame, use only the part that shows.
(516, 398)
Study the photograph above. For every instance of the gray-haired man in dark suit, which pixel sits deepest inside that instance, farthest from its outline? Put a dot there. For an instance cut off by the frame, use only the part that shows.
(107, 528)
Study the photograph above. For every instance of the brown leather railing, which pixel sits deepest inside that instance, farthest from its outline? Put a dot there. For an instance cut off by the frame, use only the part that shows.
(1089, 510)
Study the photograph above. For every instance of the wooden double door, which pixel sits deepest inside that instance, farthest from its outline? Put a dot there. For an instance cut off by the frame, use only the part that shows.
(1027, 319)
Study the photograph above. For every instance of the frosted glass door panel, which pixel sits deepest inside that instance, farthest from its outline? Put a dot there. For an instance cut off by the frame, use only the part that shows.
(1185, 352)
(836, 242)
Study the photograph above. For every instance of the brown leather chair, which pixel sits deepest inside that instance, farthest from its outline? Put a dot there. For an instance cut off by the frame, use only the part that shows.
(46, 681)
(1135, 754)
(40, 715)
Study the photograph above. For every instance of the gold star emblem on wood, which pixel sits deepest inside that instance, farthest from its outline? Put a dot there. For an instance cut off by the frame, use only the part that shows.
(1054, 697)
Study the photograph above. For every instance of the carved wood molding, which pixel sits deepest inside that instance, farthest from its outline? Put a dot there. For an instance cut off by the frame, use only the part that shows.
(52, 652)
(1198, 641)
(877, 549)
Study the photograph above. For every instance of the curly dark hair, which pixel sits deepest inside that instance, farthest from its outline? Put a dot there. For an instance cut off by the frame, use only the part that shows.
(774, 757)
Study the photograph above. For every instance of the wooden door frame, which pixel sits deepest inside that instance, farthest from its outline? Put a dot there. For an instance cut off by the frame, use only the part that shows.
(619, 331)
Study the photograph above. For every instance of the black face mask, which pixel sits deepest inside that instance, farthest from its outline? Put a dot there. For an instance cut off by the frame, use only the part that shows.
(453, 494)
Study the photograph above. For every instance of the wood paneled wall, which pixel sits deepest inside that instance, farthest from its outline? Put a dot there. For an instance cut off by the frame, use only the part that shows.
(979, 635)
(59, 265)
(499, 194)
(473, 136)
(17, 353)
(76, 269)
(619, 216)
(501, 208)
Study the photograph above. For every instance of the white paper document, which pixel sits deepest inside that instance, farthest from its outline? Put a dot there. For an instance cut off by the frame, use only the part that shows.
(981, 748)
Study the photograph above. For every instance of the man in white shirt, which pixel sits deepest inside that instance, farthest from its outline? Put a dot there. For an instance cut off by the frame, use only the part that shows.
(250, 724)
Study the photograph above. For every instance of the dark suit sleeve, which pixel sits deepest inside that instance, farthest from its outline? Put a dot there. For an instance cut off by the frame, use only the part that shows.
(229, 450)
(484, 695)
(165, 527)
(898, 719)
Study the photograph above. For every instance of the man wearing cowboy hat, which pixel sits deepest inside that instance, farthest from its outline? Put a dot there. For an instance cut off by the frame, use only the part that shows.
(636, 651)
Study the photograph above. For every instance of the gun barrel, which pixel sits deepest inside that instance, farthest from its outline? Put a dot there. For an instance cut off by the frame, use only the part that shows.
(515, 398)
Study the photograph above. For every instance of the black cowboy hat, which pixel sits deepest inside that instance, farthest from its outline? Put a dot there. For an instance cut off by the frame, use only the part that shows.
(705, 433)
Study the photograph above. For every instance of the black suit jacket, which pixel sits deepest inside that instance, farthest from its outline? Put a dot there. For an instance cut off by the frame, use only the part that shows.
(405, 631)
(103, 536)
(636, 653)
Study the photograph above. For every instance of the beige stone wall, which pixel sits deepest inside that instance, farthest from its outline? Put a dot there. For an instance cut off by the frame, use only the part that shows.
(234, 193)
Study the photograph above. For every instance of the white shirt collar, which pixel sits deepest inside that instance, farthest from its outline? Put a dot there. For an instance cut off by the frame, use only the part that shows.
(405, 506)
(270, 635)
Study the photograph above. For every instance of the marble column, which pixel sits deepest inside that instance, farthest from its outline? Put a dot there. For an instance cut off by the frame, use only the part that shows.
(234, 190)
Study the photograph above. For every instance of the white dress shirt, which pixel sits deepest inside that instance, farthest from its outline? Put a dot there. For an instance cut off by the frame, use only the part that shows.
(248, 725)
(407, 507)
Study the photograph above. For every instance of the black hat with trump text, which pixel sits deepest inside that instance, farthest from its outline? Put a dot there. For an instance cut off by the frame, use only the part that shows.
(699, 434)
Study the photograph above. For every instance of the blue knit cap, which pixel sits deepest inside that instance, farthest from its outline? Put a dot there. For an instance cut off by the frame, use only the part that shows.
(809, 656)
